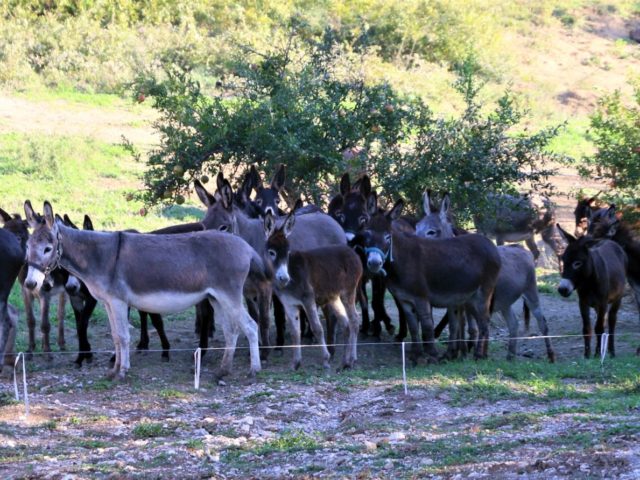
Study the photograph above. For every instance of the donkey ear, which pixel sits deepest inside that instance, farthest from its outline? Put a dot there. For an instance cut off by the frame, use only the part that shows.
(220, 181)
(372, 203)
(396, 211)
(5, 216)
(444, 205)
(226, 195)
(87, 224)
(289, 222)
(68, 222)
(205, 197)
(269, 223)
(256, 179)
(611, 212)
(567, 236)
(365, 186)
(31, 216)
(248, 184)
(279, 178)
(345, 185)
(48, 214)
(426, 201)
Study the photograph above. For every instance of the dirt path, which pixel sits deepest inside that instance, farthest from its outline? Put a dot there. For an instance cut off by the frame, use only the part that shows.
(60, 117)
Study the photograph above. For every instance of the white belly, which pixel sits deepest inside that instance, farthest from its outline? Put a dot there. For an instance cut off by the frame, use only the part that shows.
(165, 302)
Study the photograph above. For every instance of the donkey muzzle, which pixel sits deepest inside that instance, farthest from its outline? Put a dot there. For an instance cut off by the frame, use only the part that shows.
(282, 277)
(566, 287)
(374, 262)
(35, 279)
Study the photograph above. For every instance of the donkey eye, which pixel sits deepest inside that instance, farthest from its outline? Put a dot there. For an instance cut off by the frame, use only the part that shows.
(223, 228)
(576, 265)
(259, 202)
(47, 249)
(387, 238)
(432, 233)
(272, 254)
(340, 217)
(363, 220)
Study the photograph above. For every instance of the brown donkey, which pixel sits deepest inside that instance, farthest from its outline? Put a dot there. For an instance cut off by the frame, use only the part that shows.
(597, 269)
(327, 276)
(425, 273)
(54, 287)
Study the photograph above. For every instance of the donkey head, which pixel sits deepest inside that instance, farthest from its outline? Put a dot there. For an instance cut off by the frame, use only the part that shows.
(436, 222)
(582, 214)
(577, 262)
(43, 247)
(353, 207)
(277, 247)
(220, 207)
(269, 197)
(376, 238)
(604, 223)
(16, 225)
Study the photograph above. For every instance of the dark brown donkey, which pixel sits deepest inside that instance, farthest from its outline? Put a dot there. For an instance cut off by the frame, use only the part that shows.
(352, 208)
(517, 277)
(154, 273)
(423, 274)
(597, 269)
(12, 256)
(585, 208)
(327, 276)
(52, 288)
(606, 223)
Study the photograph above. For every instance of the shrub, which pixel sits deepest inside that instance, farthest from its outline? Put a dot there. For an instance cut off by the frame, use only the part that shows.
(615, 130)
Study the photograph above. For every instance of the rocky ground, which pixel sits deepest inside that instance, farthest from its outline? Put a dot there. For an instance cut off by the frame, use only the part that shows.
(464, 419)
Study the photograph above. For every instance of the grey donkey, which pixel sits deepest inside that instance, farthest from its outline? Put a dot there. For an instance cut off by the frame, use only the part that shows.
(154, 273)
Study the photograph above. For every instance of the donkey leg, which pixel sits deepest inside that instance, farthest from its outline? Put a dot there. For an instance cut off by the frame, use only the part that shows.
(354, 321)
(279, 315)
(10, 342)
(226, 310)
(82, 311)
(250, 330)
(143, 343)
(332, 330)
(601, 318)
(62, 300)
(380, 312)
(112, 372)
(635, 287)
(531, 243)
(456, 330)
(412, 322)
(316, 327)
(612, 319)
(120, 312)
(27, 298)
(293, 322)
(158, 324)
(45, 325)
(264, 305)
(512, 325)
(363, 301)
(341, 315)
(533, 303)
(586, 327)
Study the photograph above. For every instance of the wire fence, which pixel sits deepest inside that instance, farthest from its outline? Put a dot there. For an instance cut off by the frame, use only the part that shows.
(197, 357)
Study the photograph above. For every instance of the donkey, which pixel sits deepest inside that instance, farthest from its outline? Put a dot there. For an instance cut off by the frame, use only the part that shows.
(314, 230)
(12, 256)
(423, 274)
(606, 223)
(514, 219)
(54, 287)
(328, 276)
(517, 277)
(352, 208)
(597, 270)
(583, 213)
(269, 197)
(83, 304)
(153, 273)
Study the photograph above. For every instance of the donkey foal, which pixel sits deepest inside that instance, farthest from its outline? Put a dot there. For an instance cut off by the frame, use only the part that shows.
(327, 276)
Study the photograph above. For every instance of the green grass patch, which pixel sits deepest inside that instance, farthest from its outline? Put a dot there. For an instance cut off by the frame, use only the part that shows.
(149, 430)
(171, 393)
(289, 441)
(92, 444)
(516, 420)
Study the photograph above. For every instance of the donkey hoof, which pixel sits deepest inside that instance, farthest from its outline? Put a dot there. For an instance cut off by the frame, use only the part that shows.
(219, 374)
(111, 374)
(165, 357)
(390, 329)
(638, 351)
(63, 347)
(296, 365)
(552, 357)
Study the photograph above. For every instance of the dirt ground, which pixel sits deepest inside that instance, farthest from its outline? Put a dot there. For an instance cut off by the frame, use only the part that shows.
(311, 423)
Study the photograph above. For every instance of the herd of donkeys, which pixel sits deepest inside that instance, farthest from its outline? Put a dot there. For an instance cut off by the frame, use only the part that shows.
(246, 256)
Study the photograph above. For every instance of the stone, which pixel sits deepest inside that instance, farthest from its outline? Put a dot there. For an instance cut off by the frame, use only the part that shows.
(370, 446)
